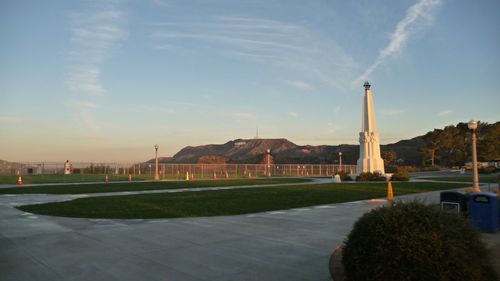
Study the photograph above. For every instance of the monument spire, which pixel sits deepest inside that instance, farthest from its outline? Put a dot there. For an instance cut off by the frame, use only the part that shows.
(369, 139)
(368, 123)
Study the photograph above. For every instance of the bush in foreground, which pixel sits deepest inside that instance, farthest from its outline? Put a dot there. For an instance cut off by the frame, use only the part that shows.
(411, 241)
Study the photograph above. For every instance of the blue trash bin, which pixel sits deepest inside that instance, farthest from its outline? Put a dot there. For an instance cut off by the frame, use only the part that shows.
(484, 211)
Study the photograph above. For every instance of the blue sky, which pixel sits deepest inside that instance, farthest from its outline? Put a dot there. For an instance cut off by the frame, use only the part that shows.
(106, 80)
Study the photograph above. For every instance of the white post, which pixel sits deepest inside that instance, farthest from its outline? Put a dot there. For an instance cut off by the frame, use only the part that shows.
(475, 184)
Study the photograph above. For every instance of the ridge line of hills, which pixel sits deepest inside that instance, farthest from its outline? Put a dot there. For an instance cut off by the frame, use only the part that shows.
(448, 147)
(253, 151)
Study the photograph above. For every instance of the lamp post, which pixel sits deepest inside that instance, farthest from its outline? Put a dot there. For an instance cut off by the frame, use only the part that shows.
(473, 126)
(157, 177)
(340, 160)
(268, 151)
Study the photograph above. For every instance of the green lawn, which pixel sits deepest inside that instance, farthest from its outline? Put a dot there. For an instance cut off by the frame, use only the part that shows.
(482, 179)
(225, 202)
(138, 186)
(68, 178)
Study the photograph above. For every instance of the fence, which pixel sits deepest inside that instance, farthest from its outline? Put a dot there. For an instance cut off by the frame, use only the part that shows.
(177, 171)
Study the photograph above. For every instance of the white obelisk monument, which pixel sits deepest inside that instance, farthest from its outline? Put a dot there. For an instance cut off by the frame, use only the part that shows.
(369, 139)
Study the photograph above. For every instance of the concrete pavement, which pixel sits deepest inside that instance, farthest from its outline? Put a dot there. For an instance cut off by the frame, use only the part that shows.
(280, 245)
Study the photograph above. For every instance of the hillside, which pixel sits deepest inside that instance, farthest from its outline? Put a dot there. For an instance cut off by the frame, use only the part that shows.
(286, 152)
(447, 147)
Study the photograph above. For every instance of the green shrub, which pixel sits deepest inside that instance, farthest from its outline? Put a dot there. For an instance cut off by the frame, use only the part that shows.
(371, 177)
(411, 241)
(344, 176)
(401, 175)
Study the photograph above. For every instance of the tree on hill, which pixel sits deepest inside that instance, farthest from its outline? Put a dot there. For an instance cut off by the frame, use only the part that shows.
(389, 157)
(432, 142)
(489, 142)
(452, 145)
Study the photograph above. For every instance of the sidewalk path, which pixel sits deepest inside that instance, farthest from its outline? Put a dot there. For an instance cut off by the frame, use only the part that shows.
(290, 244)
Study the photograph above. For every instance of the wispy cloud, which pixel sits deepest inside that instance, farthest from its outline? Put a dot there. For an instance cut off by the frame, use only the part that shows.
(445, 112)
(84, 79)
(300, 85)
(83, 111)
(417, 16)
(93, 33)
(272, 43)
(293, 114)
(163, 46)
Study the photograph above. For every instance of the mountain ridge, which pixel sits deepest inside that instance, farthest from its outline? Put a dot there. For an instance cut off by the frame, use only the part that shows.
(253, 151)
(449, 146)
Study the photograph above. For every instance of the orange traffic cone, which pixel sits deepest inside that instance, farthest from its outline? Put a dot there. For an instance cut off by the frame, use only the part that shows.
(249, 176)
(227, 176)
(106, 179)
(20, 181)
(129, 178)
(192, 176)
(215, 175)
(187, 176)
(390, 194)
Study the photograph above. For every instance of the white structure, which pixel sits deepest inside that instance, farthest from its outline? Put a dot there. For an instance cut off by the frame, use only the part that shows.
(369, 139)
(68, 168)
(336, 179)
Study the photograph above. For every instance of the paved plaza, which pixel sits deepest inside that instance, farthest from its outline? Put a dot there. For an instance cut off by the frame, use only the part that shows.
(292, 244)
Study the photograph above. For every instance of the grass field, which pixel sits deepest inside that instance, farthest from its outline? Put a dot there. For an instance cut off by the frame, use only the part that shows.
(68, 178)
(468, 179)
(225, 202)
(139, 186)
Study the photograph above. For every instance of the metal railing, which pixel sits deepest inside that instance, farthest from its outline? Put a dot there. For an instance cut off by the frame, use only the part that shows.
(176, 171)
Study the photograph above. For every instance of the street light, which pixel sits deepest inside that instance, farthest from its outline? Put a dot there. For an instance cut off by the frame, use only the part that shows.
(157, 177)
(473, 126)
(268, 162)
(340, 160)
